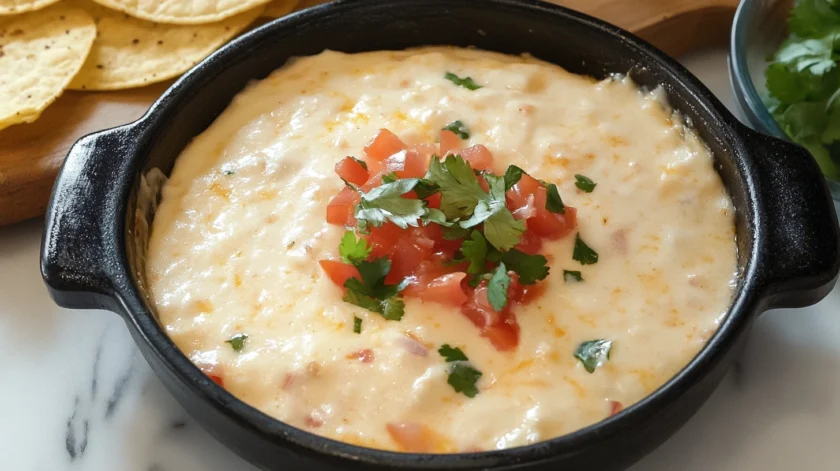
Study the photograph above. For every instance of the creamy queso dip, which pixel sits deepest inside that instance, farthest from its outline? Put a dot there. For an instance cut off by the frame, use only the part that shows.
(235, 244)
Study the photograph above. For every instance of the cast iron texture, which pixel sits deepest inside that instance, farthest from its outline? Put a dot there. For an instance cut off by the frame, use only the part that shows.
(789, 246)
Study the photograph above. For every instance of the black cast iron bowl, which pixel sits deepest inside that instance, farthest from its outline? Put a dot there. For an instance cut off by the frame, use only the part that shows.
(788, 237)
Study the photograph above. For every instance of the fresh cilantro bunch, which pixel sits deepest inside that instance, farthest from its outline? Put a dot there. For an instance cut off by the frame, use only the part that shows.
(803, 82)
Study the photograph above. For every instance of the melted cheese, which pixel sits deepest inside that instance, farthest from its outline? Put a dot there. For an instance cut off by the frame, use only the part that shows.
(235, 245)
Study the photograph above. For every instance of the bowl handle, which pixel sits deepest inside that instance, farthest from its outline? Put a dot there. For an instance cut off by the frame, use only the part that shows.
(799, 238)
(80, 254)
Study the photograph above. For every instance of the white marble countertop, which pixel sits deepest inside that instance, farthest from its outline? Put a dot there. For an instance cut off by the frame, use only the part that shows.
(77, 395)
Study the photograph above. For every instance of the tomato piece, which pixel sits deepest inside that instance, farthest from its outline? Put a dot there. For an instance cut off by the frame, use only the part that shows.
(415, 438)
(340, 208)
(522, 193)
(500, 328)
(531, 243)
(383, 239)
(434, 201)
(339, 272)
(615, 407)
(217, 379)
(426, 151)
(384, 145)
(407, 164)
(478, 156)
(551, 225)
(428, 270)
(411, 249)
(350, 170)
(450, 143)
(446, 290)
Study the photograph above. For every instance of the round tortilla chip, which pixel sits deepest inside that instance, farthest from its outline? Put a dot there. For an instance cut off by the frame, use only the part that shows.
(15, 7)
(40, 52)
(279, 8)
(129, 52)
(183, 12)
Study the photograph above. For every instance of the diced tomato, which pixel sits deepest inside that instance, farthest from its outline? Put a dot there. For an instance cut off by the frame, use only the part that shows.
(383, 239)
(434, 201)
(426, 150)
(384, 145)
(426, 272)
(350, 170)
(498, 327)
(411, 249)
(552, 225)
(527, 210)
(414, 438)
(340, 208)
(450, 143)
(531, 243)
(478, 156)
(446, 290)
(615, 407)
(339, 272)
(407, 164)
(518, 196)
(217, 379)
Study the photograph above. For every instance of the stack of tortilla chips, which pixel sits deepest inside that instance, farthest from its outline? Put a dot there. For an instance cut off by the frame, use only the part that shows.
(48, 46)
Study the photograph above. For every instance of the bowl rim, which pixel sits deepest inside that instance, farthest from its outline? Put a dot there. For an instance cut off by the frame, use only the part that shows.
(756, 112)
(746, 298)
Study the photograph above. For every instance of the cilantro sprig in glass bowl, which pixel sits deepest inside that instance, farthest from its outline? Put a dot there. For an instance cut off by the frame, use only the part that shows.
(786, 77)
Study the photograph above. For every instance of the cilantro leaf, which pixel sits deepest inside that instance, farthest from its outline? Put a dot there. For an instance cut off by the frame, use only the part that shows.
(529, 268)
(392, 309)
(512, 176)
(451, 354)
(372, 293)
(466, 82)
(501, 229)
(459, 191)
(583, 253)
(553, 202)
(570, 276)
(385, 203)
(497, 288)
(813, 18)
(357, 325)
(455, 233)
(436, 216)
(425, 188)
(351, 250)
(475, 250)
(463, 378)
(390, 177)
(593, 353)
(459, 128)
(237, 342)
(585, 183)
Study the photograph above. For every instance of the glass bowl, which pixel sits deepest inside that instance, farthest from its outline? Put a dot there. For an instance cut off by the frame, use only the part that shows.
(760, 27)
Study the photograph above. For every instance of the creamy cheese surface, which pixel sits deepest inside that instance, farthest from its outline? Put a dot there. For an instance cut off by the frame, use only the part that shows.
(235, 244)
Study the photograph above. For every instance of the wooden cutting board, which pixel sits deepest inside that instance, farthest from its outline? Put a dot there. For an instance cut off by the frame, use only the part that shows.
(31, 154)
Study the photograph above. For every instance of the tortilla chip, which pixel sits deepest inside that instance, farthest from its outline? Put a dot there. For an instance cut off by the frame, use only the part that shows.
(183, 12)
(40, 52)
(15, 7)
(279, 8)
(129, 52)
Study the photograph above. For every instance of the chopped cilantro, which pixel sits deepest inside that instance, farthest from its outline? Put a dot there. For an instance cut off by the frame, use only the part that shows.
(497, 288)
(475, 251)
(583, 253)
(553, 202)
(501, 229)
(360, 162)
(425, 188)
(512, 176)
(451, 354)
(466, 82)
(593, 353)
(229, 172)
(357, 325)
(459, 191)
(455, 233)
(352, 250)
(390, 177)
(372, 293)
(459, 128)
(570, 276)
(385, 203)
(436, 216)
(585, 183)
(529, 268)
(462, 376)
(237, 342)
